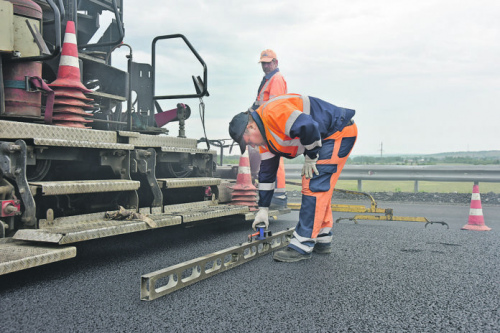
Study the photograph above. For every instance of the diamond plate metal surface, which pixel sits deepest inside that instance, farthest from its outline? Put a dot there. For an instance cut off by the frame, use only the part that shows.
(87, 186)
(81, 144)
(18, 255)
(187, 150)
(187, 206)
(38, 235)
(197, 211)
(162, 141)
(67, 233)
(66, 230)
(145, 210)
(128, 134)
(222, 210)
(18, 130)
(188, 182)
(71, 220)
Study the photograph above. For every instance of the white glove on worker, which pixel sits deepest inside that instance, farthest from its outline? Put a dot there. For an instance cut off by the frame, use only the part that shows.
(262, 217)
(309, 167)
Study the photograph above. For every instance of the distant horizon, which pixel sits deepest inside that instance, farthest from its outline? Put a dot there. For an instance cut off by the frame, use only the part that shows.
(427, 154)
(416, 155)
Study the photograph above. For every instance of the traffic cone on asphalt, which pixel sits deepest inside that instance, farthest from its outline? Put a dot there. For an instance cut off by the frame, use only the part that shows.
(70, 101)
(476, 218)
(244, 193)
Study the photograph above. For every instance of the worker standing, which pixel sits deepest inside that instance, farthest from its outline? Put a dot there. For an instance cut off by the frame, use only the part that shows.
(273, 84)
(289, 126)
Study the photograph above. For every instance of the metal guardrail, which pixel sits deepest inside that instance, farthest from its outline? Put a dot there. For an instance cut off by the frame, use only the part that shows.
(430, 173)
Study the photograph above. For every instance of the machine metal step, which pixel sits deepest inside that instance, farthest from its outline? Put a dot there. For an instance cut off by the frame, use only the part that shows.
(66, 230)
(187, 150)
(198, 211)
(18, 255)
(45, 135)
(85, 186)
(188, 182)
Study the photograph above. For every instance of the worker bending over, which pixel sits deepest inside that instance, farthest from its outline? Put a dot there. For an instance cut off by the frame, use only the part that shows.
(288, 126)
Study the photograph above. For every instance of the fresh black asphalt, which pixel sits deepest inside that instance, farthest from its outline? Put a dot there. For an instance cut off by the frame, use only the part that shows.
(381, 277)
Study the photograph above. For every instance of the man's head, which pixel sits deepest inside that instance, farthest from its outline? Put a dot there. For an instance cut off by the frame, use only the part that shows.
(244, 130)
(268, 60)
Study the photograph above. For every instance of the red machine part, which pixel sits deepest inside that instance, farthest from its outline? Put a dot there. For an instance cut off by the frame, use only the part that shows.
(18, 101)
(10, 208)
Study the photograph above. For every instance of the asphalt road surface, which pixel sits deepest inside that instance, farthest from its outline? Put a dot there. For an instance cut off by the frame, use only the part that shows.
(381, 277)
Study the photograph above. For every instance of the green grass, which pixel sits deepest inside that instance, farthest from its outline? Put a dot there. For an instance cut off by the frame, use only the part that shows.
(408, 186)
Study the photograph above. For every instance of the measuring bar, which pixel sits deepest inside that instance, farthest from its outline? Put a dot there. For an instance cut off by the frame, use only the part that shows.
(170, 279)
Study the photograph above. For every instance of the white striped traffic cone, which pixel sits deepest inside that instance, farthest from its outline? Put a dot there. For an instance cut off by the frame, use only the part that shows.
(70, 101)
(68, 75)
(244, 193)
(476, 218)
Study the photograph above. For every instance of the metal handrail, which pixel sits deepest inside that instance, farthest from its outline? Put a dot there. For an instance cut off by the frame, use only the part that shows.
(204, 92)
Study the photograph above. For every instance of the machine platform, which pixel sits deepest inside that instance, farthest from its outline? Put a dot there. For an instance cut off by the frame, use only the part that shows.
(18, 255)
(67, 230)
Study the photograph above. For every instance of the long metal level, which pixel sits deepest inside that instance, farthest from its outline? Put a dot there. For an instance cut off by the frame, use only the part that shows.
(170, 279)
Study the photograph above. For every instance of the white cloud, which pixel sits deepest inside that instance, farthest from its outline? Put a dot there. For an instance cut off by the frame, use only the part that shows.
(423, 76)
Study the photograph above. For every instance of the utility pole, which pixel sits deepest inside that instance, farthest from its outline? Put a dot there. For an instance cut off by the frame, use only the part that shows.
(381, 149)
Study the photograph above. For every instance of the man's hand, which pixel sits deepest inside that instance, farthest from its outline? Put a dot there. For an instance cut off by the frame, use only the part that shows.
(309, 167)
(262, 216)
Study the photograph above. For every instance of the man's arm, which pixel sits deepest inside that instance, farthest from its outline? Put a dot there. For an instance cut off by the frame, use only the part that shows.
(267, 177)
(306, 129)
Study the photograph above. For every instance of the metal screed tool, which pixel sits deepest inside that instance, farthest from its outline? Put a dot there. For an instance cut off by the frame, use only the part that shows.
(170, 279)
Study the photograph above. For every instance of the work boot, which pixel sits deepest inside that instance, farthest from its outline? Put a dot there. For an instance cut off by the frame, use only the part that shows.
(279, 201)
(290, 255)
(323, 248)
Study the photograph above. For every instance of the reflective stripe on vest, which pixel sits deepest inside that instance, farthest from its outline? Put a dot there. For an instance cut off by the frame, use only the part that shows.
(293, 147)
(306, 104)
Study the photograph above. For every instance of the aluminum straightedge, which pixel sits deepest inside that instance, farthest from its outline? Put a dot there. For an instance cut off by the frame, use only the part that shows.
(170, 279)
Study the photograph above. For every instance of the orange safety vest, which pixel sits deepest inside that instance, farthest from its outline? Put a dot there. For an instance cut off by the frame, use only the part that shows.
(273, 87)
(278, 116)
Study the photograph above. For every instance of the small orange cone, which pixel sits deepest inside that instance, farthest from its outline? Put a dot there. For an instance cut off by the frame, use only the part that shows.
(476, 218)
(244, 193)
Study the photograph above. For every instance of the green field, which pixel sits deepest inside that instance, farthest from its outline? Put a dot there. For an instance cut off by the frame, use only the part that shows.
(408, 186)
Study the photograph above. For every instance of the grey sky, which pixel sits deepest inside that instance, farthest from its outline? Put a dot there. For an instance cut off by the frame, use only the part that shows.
(422, 75)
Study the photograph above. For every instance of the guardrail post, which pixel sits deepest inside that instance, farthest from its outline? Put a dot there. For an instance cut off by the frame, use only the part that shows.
(360, 185)
(415, 186)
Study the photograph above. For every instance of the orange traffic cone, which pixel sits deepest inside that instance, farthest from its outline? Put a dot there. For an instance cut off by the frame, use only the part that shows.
(244, 193)
(476, 218)
(68, 88)
(68, 75)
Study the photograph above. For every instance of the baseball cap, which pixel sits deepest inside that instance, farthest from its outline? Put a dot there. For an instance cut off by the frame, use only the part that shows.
(237, 128)
(267, 56)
